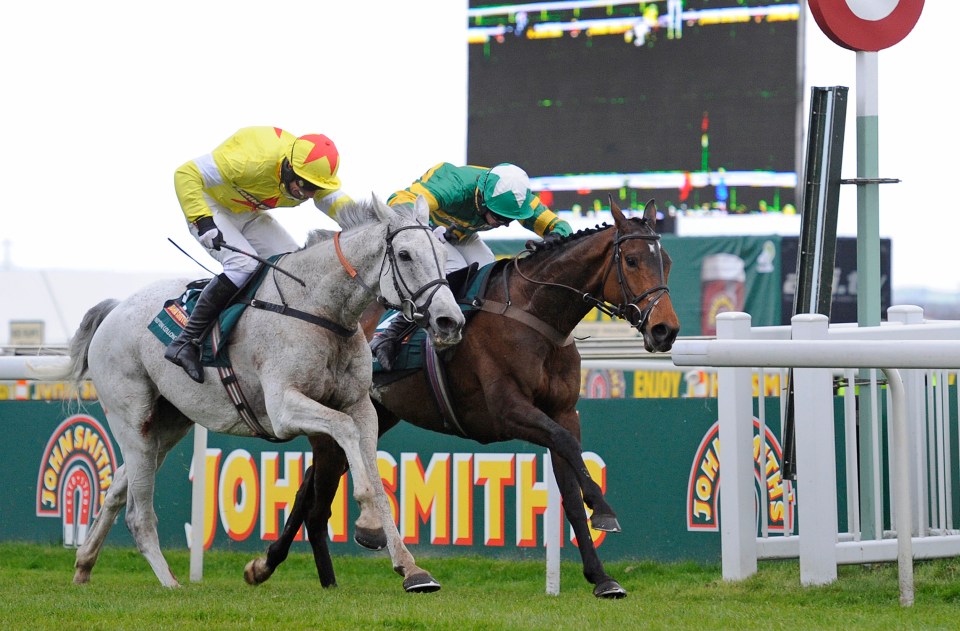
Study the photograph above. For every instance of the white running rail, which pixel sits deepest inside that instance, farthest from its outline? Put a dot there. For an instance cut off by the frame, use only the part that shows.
(921, 474)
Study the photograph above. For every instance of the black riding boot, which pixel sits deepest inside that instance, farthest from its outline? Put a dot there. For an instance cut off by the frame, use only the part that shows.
(186, 349)
(386, 343)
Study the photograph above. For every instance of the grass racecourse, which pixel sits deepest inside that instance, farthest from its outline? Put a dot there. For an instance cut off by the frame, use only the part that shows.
(36, 592)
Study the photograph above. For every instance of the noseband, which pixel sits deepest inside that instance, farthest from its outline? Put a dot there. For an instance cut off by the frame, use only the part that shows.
(408, 307)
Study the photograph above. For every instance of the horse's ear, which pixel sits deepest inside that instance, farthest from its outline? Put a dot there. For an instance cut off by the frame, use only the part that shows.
(618, 217)
(650, 213)
(382, 210)
(422, 209)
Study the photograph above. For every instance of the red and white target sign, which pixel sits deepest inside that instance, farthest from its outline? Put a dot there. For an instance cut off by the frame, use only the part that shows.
(866, 25)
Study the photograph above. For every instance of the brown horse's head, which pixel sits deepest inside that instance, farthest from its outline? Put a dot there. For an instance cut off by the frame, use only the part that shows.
(639, 283)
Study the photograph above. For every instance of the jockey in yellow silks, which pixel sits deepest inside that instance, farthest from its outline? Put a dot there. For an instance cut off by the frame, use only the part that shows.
(465, 201)
(226, 196)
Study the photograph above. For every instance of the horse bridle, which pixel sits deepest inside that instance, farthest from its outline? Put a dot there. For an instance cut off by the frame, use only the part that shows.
(630, 305)
(631, 301)
(408, 307)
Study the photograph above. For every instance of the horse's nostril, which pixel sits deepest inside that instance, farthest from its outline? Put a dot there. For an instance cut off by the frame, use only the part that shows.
(448, 324)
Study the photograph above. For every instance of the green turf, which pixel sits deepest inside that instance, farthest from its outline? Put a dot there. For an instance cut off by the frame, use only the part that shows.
(36, 592)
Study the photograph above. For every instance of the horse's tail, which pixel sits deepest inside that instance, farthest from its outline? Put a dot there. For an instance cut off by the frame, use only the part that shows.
(75, 366)
(80, 342)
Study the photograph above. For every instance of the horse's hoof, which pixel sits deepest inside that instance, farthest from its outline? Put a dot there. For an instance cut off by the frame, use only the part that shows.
(420, 584)
(609, 589)
(370, 539)
(256, 572)
(81, 577)
(606, 523)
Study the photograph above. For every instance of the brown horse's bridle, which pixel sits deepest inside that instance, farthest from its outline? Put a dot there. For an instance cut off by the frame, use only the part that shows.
(629, 309)
(630, 305)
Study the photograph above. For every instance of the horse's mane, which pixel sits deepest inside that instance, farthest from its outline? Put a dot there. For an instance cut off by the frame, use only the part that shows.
(353, 214)
(553, 241)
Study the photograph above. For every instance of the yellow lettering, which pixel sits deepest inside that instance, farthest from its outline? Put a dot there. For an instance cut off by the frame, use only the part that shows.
(65, 443)
(531, 499)
(238, 496)
(278, 493)
(425, 496)
(775, 486)
(50, 478)
(212, 465)
(704, 487)
(48, 498)
(92, 443)
(56, 459)
(462, 499)
(493, 472)
(710, 464)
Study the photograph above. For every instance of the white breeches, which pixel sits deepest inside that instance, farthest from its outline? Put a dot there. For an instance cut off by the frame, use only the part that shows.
(469, 250)
(254, 232)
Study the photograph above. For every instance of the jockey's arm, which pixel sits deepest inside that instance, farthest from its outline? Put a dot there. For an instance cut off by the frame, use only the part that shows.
(331, 201)
(544, 221)
(188, 184)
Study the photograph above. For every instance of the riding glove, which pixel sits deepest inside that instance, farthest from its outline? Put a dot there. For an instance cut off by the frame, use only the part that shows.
(208, 233)
(441, 232)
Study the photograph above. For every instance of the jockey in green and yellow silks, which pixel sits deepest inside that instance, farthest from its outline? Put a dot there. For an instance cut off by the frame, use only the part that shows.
(470, 199)
(465, 201)
(226, 196)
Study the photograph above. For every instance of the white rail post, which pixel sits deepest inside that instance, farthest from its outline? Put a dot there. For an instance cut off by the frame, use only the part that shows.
(738, 511)
(553, 527)
(197, 516)
(916, 417)
(816, 460)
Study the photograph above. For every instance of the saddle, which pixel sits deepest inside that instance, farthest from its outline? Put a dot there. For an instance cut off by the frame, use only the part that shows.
(171, 319)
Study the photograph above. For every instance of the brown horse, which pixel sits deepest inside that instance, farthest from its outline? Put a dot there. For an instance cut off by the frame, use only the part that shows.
(516, 375)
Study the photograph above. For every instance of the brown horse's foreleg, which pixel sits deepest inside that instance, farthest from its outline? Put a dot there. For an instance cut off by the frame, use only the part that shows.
(605, 586)
(538, 428)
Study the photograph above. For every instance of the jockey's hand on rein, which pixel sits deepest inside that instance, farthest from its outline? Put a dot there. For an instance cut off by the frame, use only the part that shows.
(208, 233)
(441, 232)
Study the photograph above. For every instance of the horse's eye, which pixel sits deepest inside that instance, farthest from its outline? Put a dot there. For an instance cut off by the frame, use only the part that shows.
(403, 255)
(631, 261)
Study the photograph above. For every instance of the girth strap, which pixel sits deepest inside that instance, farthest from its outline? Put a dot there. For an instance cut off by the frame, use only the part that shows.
(300, 315)
(229, 379)
(437, 378)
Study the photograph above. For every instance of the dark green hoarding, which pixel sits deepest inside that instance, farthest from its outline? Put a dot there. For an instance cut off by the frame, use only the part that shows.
(656, 459)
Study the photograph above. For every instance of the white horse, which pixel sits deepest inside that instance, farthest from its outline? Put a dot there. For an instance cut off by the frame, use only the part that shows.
(298, 377)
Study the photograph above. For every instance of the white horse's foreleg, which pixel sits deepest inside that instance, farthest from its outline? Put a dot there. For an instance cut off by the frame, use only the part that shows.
(89, 551)
(416, 579)
(357, 436)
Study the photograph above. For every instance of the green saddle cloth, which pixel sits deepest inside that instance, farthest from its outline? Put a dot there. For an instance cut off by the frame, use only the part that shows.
(169, 322)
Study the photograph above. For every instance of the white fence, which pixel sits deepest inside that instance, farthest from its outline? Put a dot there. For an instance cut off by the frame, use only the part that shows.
(922, 475)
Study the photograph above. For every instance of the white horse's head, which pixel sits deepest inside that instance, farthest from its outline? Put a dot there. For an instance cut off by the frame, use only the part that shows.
(413, 275)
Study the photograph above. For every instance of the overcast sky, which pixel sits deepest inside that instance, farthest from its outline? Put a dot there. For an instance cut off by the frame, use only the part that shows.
(104, 99)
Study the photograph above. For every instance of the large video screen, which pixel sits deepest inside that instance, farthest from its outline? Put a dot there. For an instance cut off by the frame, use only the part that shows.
(691, 102)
